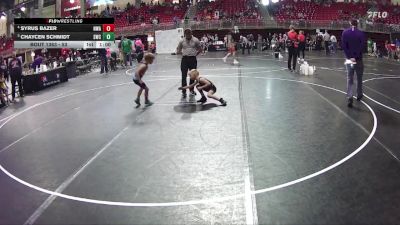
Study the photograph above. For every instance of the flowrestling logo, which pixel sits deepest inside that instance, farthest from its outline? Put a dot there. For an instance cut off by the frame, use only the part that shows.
(381, 15)
(51, 80)
(43, 78)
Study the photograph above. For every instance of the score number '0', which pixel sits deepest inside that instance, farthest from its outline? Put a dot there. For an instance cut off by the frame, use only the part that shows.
(108, 27)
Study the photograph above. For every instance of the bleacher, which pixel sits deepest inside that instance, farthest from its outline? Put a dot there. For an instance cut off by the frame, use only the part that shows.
(144, 14)
(228, 9)
(393, 13)
(296, 10)
(332, 11)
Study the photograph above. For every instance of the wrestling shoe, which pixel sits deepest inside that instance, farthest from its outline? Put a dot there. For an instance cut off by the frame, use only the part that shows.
(223, 102)
(202, 100)
(137, 101)
(350, 102)
(148, 103)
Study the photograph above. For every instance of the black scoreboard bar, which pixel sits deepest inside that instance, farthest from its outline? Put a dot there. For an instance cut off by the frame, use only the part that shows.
(64, 32)
(64, 21)
(60, 36)
(54, 28)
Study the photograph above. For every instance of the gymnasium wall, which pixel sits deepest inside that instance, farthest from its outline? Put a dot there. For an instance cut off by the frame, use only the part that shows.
(49, 11)
(3, 27)
(123, 3)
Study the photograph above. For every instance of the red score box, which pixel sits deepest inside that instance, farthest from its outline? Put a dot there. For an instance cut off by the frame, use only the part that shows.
(108, 27)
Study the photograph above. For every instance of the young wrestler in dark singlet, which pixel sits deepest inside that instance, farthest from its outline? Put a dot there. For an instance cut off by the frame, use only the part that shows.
(203, 85)
(137, 79)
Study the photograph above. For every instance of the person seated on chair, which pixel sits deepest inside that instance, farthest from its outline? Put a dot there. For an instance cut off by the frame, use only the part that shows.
(3, 90)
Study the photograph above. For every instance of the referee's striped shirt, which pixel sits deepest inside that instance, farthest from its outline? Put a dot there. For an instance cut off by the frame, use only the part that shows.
(189, 48)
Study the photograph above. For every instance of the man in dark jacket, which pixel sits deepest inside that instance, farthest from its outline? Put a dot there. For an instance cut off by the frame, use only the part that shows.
(353, 42)
(104, 61)
(15, 68)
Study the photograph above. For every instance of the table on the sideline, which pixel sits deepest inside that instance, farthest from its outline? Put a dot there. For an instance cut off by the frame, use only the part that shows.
(39, 81)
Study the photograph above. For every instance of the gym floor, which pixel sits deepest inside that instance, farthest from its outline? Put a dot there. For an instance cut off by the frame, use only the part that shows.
(285, 150)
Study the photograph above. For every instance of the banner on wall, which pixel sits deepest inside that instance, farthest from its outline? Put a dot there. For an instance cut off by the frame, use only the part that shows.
(99, 2)
(69, 7)
(167, 40)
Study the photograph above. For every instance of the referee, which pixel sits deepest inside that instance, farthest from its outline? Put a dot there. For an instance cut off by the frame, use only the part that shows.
(189, 47)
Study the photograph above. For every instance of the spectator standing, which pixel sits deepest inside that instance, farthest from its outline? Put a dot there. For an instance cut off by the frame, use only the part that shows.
(226, 41)
(309, 42)
(273, 42)
(370, 45)
(4, 68)
(292, 45)
(353, 41)
(3, 90)
(281, 42)
(250, 37)
(388, 49)
(204, 40)
(259, 42)
(245, 44)
(318, 42)
(139, 50)
(104, 61)
(3, 86)
(126, 49)
(15, 67)
(327, 38)
(153, 47)
(333, 43)
(375, 48)
(284, 39)
(302, 43)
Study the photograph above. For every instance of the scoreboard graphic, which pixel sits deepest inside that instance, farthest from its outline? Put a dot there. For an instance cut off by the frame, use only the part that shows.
(83, 33)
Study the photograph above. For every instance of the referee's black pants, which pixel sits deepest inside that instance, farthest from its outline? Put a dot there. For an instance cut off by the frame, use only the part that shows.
(187, 63)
